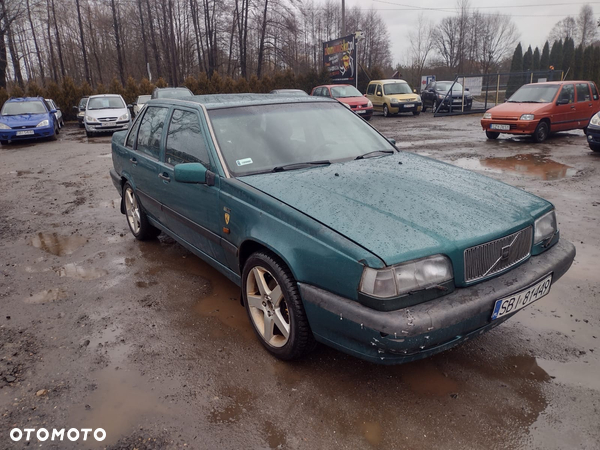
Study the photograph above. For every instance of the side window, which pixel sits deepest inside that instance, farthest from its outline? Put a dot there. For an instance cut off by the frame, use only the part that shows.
(326, 92)
(371, 89)
(131, 137)
(185, 143)
(379, 91)
(568, 93)
(151, 129)
(594, 91)
(583, 92)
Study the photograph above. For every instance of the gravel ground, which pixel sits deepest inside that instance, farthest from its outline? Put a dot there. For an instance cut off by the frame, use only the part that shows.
(145, 340)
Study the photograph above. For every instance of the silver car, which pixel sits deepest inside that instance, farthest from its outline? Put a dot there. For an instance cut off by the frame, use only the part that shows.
(106, 113)
(139, 103)
(59, 115)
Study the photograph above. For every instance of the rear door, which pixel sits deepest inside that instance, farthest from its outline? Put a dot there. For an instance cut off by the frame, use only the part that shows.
(145, 159)
(191, 210)
(584, 105)
(378, 99)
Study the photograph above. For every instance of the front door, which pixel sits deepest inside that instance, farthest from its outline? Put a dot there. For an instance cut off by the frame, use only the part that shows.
(190, 210)
(565, 116)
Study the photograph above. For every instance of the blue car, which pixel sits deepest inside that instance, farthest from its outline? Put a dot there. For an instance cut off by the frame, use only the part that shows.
(27, 118)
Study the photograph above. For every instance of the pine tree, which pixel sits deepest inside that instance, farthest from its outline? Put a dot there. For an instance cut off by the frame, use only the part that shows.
(596, 66)
(536, 59)
(528, 60)
(545, 59)
(568, 61)
(587, 72)
(578, 68)
(556, 54)
(516, 68)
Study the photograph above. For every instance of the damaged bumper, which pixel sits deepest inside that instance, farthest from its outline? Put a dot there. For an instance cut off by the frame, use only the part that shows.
(422, 330)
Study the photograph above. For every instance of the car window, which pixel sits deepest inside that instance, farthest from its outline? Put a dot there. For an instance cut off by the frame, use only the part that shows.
(371, 89)
(105, 103)
(83, 102)
(132, 136)
(568, 93)
(397, 88)
(594, 91)
(151, 129)
(326, 92)
(28, 107)
(185, 143)
(345, 92)
(583, 92)
(317, 92)
(379, 91)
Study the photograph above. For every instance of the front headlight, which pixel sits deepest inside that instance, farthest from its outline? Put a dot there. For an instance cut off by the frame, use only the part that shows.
(369, 104)
(406, 277)
(441, 96)
(526, 117)
(595, 120)
(3, 126)
(43, 123)
(418, 98)
(91, 119)
(487, 115)
(346, 105)
(545, 227)
(123, 117)
(81, 114)
(394, 101)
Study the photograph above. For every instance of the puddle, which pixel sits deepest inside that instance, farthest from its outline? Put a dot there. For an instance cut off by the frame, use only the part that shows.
(46, 296)
(121, 402)
(56, 244)
(372, 432)
(274, 436)
(423, 377)
(238, 401)
(78, 272)
(534, 165)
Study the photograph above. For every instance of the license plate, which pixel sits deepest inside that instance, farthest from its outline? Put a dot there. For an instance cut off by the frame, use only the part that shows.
(410, 105)
(25, 133)
(109, 124)
(361, 111)
(498, 126)
(518, 300)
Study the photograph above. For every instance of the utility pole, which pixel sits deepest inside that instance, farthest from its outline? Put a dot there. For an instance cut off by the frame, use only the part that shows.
(343, 17)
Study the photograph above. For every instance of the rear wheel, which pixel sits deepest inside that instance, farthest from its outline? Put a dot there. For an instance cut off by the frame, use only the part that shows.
(595, 147)
(136, 217)
(275, 307)
(416, 113)
(4, 142)
(386, 111)
(541, 132)
(492, 134)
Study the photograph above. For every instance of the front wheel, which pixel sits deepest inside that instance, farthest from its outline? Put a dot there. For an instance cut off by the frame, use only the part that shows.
(541, 132)
(275, 308)
(136, 217)
(424, 107)
(4, 142)
(386, 111)
(416, 113)
(492, 134)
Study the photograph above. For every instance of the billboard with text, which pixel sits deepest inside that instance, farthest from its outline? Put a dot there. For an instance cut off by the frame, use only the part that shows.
(339, 59)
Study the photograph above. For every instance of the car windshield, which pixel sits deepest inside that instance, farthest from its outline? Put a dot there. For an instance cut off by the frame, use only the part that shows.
(535, 93)
(105, 103)
(18, 108)
(143, 99)
(345, 91)
(258, 139)
(396, 88)
(290, 92)
(82, 102)
(176, 93)
(444, 86)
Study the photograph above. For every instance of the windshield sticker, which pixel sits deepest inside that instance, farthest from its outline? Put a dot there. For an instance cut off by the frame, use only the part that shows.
(243, 162)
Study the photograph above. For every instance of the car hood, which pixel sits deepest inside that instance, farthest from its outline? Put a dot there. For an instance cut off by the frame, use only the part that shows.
(404, 206)
(102, 113)
(515, 110)
(23, 120)
(405, 97)
(354, 101)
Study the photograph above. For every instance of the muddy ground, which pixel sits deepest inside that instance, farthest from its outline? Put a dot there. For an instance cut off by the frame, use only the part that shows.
(146, 341)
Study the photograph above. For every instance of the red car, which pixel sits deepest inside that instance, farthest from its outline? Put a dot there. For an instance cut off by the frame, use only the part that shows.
(348, 95)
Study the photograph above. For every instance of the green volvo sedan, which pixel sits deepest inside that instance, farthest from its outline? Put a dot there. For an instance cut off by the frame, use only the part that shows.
(331, 232)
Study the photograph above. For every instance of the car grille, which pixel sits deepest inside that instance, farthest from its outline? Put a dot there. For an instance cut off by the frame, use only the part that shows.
(108, 119)
(487, 259)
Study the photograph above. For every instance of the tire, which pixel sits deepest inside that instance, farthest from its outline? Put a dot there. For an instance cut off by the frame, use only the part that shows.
(368, 118)
(416, 113)
(594, 147)
(81, 125)
(541, 132)
(89, 134)
(492, 134)
(54, 137)
(137, 220)
(4, 142)
(263, 274)
(386, 111)
(424, 109)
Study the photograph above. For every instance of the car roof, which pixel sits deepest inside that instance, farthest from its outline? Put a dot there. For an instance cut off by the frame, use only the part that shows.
(332, 85)
(104, 95)
(562, 82)
(24, 99)
(219, 101)
(392, 80)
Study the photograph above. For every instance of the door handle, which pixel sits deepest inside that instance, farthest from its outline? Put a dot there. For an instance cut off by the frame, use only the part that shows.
(133, 160)
(572, 107)
(164, 177)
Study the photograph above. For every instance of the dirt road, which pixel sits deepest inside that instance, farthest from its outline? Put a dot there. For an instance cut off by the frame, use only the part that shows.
(148, 342)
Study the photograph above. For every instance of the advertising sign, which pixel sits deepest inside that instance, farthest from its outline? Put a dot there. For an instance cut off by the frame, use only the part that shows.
(425, 80)
(473, 84)
(339, 59)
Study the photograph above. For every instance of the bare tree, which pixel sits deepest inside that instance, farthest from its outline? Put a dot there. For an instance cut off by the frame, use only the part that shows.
(498, 36)
(563, 29)
(586, 26)
(421, 44)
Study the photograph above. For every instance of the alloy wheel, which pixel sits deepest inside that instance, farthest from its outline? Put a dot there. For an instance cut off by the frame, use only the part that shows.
(132, 210)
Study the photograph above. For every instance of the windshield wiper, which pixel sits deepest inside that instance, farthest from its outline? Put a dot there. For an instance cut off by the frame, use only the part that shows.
(373, 153)
(301, 165)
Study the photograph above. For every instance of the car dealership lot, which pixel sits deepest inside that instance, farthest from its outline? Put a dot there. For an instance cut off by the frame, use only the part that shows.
(148, 342)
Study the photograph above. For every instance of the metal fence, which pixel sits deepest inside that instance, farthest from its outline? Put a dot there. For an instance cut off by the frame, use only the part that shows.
(476, 93)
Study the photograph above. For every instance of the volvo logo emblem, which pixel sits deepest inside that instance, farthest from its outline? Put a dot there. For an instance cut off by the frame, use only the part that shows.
(505, 252)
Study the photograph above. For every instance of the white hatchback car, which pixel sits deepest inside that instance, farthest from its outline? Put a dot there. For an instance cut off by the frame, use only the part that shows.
(106, 113)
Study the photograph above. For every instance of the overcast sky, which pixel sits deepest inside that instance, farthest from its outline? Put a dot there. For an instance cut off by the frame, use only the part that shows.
(533, 18)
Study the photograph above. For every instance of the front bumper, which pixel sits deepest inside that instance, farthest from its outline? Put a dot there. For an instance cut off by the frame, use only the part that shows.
(516, 126)
(396, 108)
(38, 133)
(100, 128)
(423, 330)
(593, 134)
(363, 112)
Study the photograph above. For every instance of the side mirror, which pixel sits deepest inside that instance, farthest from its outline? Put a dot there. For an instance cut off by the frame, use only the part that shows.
(379, 94)
(562, 101)
(52, 111)
(467, 89)
(392, 141)
(415, 91)
(130, 106)
(190, 173)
